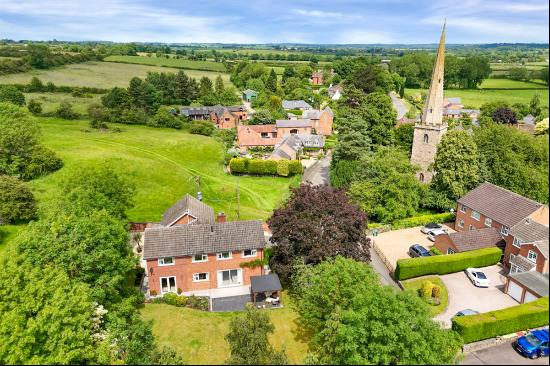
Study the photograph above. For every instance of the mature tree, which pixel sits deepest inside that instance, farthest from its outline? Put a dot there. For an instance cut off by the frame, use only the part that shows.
(385, 185)
(10, 94)
(291, 84)
(505, 116)
(354, 320)
(271, 82)
(34, 107)
(474, 70)
(379, 113)
(316, 223)
(16, 200)
(404, 137)
(457, 164)
(342, 172)
(20, 153)
(353, 139)
(165, 118)
(261, 117)
(543, 75)
(288, 73)
(248, 340)
(205, 86)
(515, 160)
(116, 98)
(255, 84)
(518, 73)
(97, 115)
(371, 78)
(534, 105)
(219, 84)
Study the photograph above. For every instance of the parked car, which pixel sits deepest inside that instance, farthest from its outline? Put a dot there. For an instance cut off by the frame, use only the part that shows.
(477, 277)
(534, 344)
(417, 250)
(466, 312)
(435, 232)
(431, 226)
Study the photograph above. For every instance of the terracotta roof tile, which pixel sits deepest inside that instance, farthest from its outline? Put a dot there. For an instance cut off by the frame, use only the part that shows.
(477, 239)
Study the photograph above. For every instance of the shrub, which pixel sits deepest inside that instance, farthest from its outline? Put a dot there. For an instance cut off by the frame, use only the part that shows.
(270, 167)
(65, 110)
(199, 303)
(256, 166)
(238, 165)
(16, 200)
(133, 116)
(435, 251)
(282, 168)
(9, 93)
(423, 220)
(34, 107)
(426, 289)
(443, 264)
(202, 128)
(295, 167)
(474, 328)
(170, 298)
(436, 291)
(164, 118)
(41, 161)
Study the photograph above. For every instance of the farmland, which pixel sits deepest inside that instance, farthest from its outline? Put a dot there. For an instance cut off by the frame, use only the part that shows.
(50, 101)
(99, 74)
(169, 62)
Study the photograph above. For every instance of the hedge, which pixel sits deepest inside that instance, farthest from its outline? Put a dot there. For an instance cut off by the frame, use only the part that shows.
(423, 220)
(443, 264)
(283, 168)
(474, 328)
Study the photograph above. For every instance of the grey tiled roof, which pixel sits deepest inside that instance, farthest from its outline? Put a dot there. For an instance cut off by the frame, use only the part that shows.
(289, 123)
(186, 240)
(203, 213)
(522, 263)
(296, 104)
(543, 247)
(218, 109)
(535, 281)
(529, 231)
(499, 204)
(477, 239)
(265, 283)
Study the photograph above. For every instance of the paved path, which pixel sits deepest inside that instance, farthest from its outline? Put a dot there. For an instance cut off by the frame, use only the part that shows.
(398, 105)
(318, 173)
(503, 354)
(381, 269)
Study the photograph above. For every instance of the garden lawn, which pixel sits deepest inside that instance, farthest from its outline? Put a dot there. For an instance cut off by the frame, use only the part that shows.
(99, 74)
(162, 163)
(179, 63)
(414, 286)
(199, 336)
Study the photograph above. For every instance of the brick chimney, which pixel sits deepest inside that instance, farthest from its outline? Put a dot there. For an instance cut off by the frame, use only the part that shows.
(221, 218)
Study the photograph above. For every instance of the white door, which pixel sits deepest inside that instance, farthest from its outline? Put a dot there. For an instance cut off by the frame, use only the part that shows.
(230, 277)
(515, 291)
(529, 297)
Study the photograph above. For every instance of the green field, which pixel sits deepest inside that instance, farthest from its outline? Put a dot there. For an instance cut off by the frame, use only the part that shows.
(162, 163)
(50, 101)
(497, 89)
(99, 74)
(198, 336)
(169, 62)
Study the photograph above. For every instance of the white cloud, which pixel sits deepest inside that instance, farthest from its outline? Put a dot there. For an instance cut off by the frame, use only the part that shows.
(363, 36)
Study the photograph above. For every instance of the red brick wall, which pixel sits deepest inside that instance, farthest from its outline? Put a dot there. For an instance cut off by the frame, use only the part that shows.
(184, 268)
(443, 243)
(282, 131)
(185, 219)
(469, 220)
(542, 263)
(323, 126)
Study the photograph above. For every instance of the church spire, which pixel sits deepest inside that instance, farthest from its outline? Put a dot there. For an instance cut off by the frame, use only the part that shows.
(433, 111)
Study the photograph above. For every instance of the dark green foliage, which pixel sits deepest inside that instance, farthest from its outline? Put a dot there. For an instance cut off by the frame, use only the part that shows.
(282, 168)
(131, 116)
(238, 165)
(97, 115)
(248, 340)
(474, 328)
(295, 167)
(415, 267)
(165, 118)
(193, 302)
(261, 117)
(34, 107)
(352, 319)
(205, 128)
(314, 224)
(9, 93)
(226, 136)
(116, 98)
(423, 220)
(271, 82)
(16, 200)
(65, 110)
(404, 137)
(36, 85)
(342, 171)
(371, 78)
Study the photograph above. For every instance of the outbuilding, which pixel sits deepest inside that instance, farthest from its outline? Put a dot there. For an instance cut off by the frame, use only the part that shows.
(527, 286)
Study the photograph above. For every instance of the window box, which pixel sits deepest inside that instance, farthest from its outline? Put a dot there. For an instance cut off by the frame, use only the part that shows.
(166, 261)
(224, 256)
(197, 258)
(201, 277)
(249, 253)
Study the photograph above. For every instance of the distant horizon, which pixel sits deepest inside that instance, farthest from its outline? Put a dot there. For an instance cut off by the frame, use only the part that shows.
(342, 22)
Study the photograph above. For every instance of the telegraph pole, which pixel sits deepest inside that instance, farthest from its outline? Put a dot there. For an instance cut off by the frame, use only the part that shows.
(238, 198)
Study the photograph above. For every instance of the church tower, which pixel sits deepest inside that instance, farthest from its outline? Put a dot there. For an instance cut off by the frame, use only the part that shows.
(431, 128)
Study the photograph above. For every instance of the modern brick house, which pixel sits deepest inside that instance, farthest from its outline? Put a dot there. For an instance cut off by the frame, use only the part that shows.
(321, 121)
(192, 253)
(464, 241)
(527, 247)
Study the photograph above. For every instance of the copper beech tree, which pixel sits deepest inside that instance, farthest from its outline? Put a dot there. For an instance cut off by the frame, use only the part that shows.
(314, 224)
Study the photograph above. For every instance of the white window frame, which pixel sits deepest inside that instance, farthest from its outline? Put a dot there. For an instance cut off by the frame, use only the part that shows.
(239, 277)
(253, 254)
(450, 251)
(460, 223)
(532, 254)
(197, 279)
(478, 218)
(504, 230)
(203, 256)
(488, 222)
(462, 208)
(220, 258)
(514, 269)
(162, 264)
(517, 242)
(168, 279)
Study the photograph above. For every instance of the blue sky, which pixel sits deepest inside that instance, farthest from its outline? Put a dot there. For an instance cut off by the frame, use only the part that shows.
(261, 21)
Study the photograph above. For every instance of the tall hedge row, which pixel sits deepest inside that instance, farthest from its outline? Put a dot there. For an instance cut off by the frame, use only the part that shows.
(282, 168)
(474, 328)
(423, 220)
(443, 264)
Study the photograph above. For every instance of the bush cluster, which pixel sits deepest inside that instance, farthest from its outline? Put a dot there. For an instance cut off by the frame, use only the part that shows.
(282, 168)
(205, 128)
(194, 302)
(37, 86)
(426, 289)
(443, 264)
(474, 328)
(423, 220)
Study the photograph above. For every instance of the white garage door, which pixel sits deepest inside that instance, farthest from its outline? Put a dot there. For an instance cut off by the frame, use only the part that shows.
(515, 291)
(529, 297)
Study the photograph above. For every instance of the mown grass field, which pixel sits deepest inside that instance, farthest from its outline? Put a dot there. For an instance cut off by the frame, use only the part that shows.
(169, 62)
(162, 164)
(198, 336)
(50, 101)
(496, 89)
(99, 74)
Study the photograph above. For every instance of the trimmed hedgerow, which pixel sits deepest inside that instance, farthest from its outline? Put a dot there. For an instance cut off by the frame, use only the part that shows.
(283, 168)
(423, 220)
(474, 328)
(295, 167)
(443, 264)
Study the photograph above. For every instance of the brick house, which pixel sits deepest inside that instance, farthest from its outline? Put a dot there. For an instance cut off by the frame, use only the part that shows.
(293, 126)
(464, 241)
(527, 286)
(193, 253)
(317, 78)
(527, 247)
(223, 117)
(452, 103)
(257, 135)
(321, 121)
